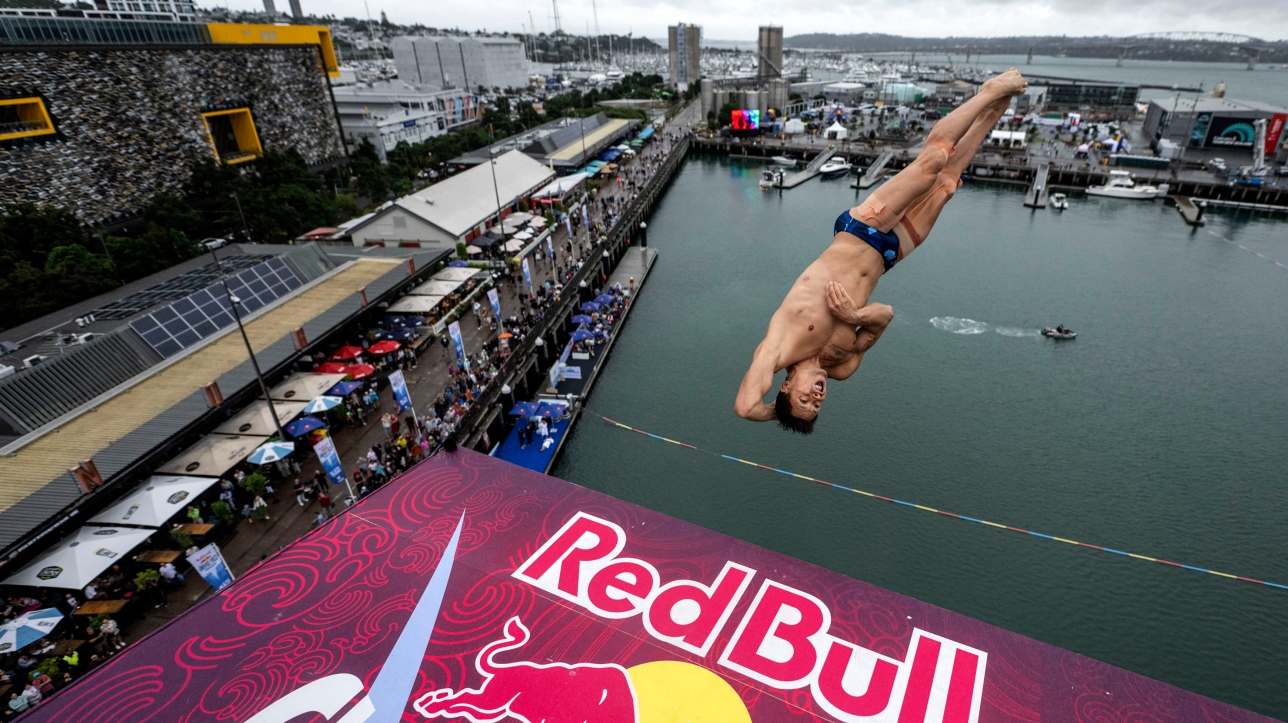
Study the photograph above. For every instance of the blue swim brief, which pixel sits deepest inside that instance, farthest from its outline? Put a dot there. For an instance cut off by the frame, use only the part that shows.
(885, 242)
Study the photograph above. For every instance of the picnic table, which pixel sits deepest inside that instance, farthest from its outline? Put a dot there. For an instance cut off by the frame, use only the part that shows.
(195, 529)
(159, 556)
(98, 607)
(64, 647)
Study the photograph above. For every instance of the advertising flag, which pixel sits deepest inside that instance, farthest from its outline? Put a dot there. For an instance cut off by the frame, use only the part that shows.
(527, 274)
(210, 564)
(496, 302)
(454, 330)
(325, 450)
(585, 221)
(401, 395)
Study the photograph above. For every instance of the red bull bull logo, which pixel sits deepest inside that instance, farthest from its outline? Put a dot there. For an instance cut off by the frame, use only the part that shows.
(782, 640)
(532, 693)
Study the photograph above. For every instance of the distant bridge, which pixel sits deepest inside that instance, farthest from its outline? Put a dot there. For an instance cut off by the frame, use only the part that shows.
(1190, 36)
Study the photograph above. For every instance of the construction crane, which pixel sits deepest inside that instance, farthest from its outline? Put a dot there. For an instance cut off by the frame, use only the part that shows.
(595, 10)
(554, 4)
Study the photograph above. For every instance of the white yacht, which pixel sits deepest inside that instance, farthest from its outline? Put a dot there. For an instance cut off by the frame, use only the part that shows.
(784, 161)
(835, 167)
(1120, 185)
(1059, 202)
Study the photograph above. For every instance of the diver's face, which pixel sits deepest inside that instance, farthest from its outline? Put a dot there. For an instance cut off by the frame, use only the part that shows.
(806, 387)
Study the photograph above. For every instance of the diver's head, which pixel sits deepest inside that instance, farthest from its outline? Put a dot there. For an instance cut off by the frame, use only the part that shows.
(800, 397)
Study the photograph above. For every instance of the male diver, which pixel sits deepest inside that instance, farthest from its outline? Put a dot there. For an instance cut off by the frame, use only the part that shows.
(825, 324)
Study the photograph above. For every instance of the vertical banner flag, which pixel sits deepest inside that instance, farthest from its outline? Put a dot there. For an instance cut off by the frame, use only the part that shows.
(550, 246)
(454, 329)
(401, 395)
(325, 450)
(1274, 130)
(527, 275)
(209, 563)
(584, 220)
(496, 304)
(567, 224)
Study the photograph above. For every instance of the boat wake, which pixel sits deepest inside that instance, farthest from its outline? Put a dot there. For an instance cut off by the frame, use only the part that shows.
(959, 325)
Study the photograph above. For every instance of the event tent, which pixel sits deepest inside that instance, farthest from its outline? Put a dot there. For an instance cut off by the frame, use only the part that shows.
(794, 126)
(415, 304)
(303, 386)
(256, 419)
(437, 287)
(159, 498)
(215, 454)
(836, 132)
(76, 561)
(457, 273)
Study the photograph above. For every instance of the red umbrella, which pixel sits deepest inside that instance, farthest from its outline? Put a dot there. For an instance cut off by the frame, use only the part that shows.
(385, 347)
(359, 371)
(330, 368)
(347, 352)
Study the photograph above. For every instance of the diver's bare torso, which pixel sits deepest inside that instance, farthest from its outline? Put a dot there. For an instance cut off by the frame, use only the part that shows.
(804, 324)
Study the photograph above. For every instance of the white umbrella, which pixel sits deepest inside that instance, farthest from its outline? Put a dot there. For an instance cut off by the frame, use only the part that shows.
(510, 224)
(513, 246)
(322, 404)
(159, 498)
(472, 250)
(27, 629)
(519, 217)
(523, 235)
(76, 561)
(271, 452)
(539, 221)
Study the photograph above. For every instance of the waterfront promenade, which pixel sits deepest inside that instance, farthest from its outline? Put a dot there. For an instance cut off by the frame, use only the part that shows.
(288, 520)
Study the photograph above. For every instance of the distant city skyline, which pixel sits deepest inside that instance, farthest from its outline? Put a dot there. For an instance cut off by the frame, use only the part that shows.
(730, 20)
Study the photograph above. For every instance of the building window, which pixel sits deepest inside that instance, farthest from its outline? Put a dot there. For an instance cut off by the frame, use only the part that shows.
(24, 118)
(232, 133)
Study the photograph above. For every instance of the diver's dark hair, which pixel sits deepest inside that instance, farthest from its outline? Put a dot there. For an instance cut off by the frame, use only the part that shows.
(789, 421)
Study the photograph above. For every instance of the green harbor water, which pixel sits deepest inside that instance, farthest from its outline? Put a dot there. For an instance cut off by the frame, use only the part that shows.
(1160, 431)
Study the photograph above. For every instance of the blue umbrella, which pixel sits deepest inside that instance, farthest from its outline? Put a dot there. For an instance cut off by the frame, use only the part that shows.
(590, 306)
(458, 264)
(582, 319)
(322, 404)
(525, 409)
(27, 629)
(389, 321)
(604, 299)
(582, 335)
(343, 389)
(303, 426)
(271, 452)
(551, 409)
(403, 334)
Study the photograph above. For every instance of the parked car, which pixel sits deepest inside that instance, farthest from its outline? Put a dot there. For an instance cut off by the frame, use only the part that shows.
(214, 243)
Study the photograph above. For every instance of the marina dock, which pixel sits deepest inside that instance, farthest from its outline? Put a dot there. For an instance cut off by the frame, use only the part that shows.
(1036, 196)
(1191, 212)
(875, 172)
(810, 171)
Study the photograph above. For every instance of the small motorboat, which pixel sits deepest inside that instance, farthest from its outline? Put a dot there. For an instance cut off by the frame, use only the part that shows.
(835, 167)
(784, 161)
(1059, 334)
(1059, 202)
(771, 178)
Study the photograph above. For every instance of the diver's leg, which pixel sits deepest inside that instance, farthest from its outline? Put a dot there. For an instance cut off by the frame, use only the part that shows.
(889, 203)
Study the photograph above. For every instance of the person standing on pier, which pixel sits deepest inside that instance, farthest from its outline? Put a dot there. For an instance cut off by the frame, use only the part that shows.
(826, 324)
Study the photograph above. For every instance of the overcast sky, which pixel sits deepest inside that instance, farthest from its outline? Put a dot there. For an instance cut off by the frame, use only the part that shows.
(738, 19)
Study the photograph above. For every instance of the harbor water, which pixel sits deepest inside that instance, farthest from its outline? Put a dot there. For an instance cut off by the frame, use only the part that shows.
(1159, 431)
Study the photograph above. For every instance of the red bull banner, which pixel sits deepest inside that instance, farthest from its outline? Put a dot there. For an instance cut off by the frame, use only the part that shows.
(473, 590)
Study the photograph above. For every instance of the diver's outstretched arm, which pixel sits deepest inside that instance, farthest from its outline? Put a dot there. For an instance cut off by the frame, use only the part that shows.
(750, 403)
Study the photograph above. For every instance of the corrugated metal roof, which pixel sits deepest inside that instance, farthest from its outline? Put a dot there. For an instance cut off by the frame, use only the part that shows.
(163, 436)
(93, 433)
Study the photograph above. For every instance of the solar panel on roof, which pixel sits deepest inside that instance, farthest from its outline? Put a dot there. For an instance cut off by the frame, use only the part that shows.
(179, 286)
(171, 329)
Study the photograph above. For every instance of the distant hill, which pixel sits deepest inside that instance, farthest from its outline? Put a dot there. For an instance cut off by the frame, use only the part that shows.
(1169, 48)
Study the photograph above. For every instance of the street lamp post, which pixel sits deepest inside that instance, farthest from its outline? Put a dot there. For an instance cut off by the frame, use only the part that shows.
(245, 228)
(233, 301)
(496, 190)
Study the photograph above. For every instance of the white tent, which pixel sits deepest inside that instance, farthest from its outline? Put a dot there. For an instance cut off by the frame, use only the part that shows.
(215, 454)
(794, 126)
(457, 273)
(436, 287)
(76, 561)
(836, 132)
(255, 419)
(156, 501)
(414, 305)
(304, 387)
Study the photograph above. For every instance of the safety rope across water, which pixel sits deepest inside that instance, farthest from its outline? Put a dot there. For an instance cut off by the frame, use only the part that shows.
(1280, 264)
(924, 508)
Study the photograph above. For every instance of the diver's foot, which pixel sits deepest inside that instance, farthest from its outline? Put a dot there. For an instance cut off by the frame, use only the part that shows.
(1007, 84)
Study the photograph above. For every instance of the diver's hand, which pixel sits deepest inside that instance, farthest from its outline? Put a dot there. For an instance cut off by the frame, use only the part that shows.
(841, 304)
